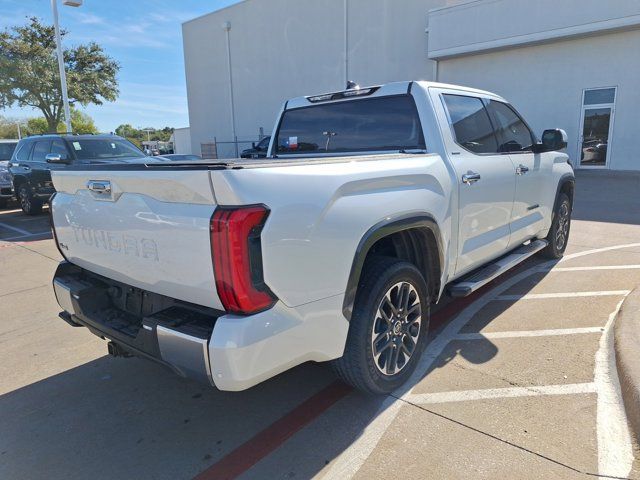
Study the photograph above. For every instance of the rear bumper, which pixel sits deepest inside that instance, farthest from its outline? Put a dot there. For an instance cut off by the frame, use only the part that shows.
(176, 336)
(227, 351)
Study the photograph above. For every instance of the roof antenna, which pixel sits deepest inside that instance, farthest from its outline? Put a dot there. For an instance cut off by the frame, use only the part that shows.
(351, 85)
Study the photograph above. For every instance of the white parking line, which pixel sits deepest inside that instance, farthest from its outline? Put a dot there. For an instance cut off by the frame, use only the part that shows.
(19, 237)
(535, 296)
(15, 229)
(595, 267)
(528, 333)
(347, 464)
(509, 392)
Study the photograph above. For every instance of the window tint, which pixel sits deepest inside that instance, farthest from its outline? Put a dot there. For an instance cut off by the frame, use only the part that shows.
(40, 150)
(58, 146)
(512, 133)
(104, 149)
(471, 124)
(385, 123)
(23, 153)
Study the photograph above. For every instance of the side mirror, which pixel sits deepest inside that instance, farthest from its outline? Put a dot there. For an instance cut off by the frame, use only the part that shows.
(253, 144)
(555, 139)
(56, 158)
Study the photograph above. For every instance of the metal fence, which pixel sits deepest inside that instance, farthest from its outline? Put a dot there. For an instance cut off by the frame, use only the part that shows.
(226, 148)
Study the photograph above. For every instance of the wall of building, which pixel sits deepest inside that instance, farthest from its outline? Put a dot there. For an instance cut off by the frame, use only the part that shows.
(545, 83)
(181, 139)
(287, 48)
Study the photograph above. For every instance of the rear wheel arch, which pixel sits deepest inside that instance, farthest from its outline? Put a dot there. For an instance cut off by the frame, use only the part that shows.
(413, 238)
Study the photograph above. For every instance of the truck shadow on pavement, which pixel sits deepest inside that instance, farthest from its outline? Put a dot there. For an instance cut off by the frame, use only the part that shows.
(130, 418)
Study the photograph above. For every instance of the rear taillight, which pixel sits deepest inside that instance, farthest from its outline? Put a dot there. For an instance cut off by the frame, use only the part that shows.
(237, 258)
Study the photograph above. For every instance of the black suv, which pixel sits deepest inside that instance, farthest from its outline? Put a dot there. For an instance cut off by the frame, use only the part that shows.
(257, 150)
(35, 157)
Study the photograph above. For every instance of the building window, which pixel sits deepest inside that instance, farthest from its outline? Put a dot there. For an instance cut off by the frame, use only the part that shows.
(598, 96)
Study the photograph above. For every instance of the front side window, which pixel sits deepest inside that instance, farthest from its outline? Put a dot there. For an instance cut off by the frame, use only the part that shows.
(103, 149)
(40, 150)
(363, 125)
(57, 146)
(470, 123)
(512, 133)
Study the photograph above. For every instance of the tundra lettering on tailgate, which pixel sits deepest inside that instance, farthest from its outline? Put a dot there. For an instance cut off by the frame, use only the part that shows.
(125, 244)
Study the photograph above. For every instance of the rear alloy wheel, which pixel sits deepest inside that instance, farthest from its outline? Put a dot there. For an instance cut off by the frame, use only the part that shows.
(28, 204)
(388, 328)
(395, 331)
(558, 236)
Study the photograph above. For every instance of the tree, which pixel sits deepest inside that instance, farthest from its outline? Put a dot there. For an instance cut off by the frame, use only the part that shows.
(30, 75)
(80, 123)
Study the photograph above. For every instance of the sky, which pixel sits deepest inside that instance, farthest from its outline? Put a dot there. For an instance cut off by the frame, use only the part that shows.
(144, 36)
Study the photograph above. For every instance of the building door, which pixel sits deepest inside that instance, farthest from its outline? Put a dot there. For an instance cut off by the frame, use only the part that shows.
(596, 124)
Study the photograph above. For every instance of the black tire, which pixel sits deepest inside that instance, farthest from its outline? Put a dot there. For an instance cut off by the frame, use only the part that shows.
(28, 203)
(358, 366)
(558, 236)
(3, 202)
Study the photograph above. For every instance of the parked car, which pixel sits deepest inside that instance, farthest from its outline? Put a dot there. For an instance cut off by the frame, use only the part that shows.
(234, 271)
(6, 188)
(257, 150)
(36, 157)
(180, 157)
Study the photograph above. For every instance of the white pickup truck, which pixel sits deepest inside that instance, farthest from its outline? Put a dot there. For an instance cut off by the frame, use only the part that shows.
(372, 203)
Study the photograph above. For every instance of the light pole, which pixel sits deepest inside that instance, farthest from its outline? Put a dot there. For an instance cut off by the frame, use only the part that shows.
(63, 77)
(227, 28)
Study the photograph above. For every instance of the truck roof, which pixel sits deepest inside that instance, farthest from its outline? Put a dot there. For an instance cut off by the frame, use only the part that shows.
(394, 88)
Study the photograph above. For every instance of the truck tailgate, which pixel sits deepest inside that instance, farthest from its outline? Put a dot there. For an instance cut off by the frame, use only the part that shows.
(150, 230)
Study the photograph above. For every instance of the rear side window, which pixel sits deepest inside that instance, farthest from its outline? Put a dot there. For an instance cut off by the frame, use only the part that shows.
(40, 150)
(512, 133)
(23, 152)
(471, 124)
(372, 124)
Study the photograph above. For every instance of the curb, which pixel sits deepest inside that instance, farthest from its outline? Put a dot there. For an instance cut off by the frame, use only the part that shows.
(626, 331)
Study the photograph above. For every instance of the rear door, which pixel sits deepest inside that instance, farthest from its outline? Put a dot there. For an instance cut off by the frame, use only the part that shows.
(515, 140)
(40, 177)
(486, 181)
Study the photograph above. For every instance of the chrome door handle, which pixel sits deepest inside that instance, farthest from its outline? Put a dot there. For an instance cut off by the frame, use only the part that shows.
(471, 177)
(521, 169)
(99, 186)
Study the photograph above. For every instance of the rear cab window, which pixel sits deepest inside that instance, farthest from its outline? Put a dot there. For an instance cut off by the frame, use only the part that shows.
(379, 124)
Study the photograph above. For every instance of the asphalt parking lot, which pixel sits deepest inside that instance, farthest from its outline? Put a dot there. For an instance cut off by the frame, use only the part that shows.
(517, 382)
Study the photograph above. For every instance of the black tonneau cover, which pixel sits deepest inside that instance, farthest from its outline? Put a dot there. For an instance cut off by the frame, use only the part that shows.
(239, 163)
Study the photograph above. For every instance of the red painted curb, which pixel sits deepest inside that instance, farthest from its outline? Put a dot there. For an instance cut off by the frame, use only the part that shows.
(251, 452)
